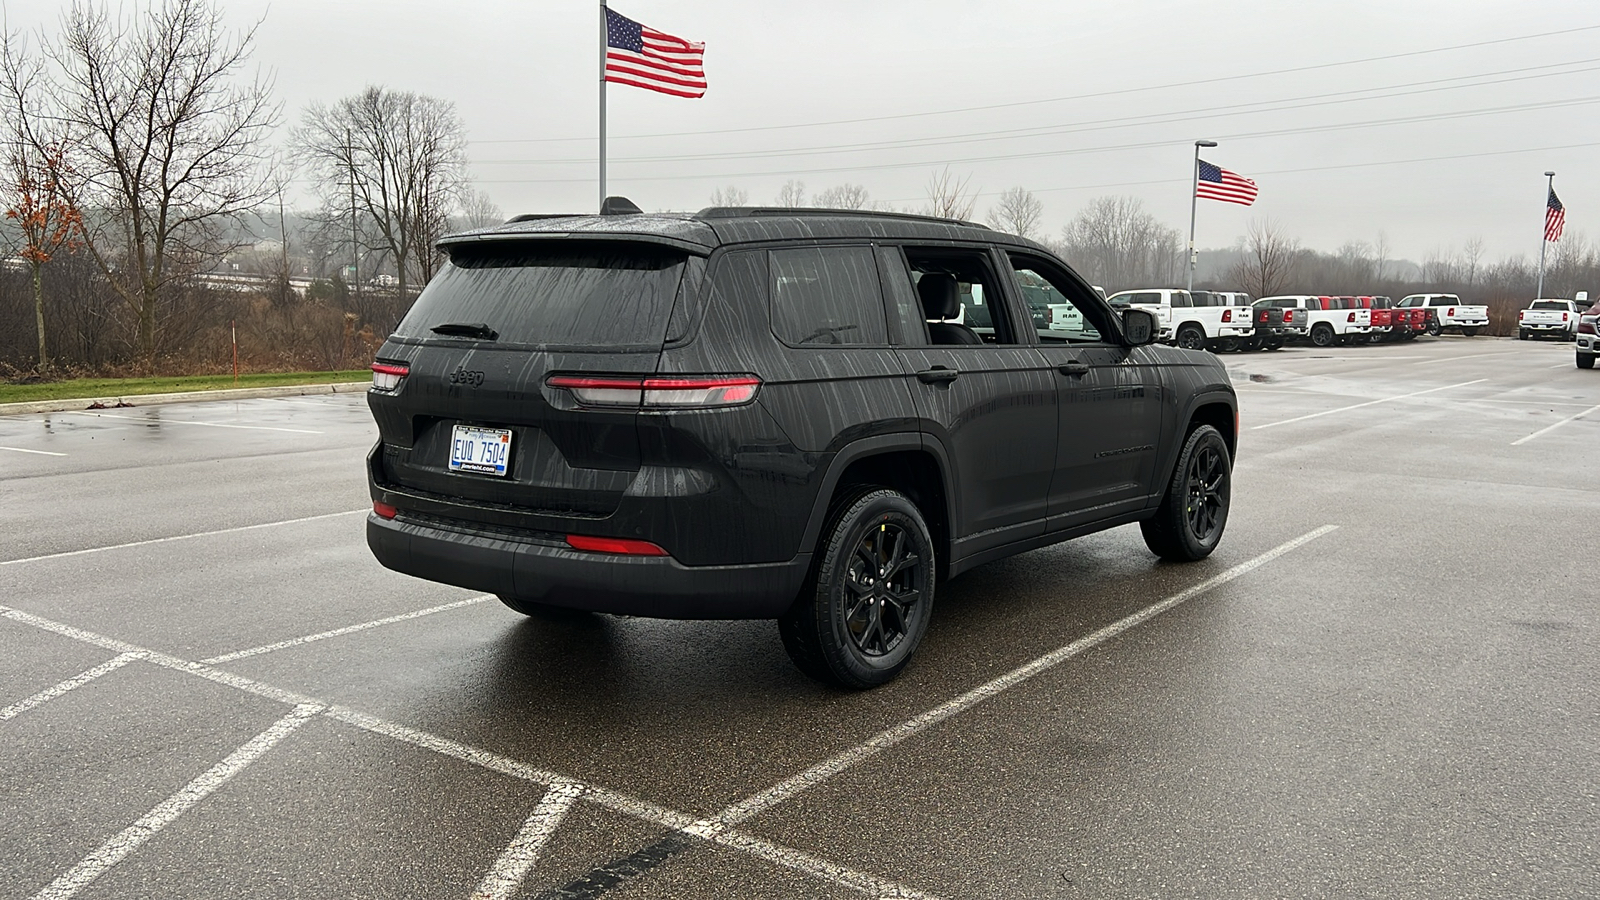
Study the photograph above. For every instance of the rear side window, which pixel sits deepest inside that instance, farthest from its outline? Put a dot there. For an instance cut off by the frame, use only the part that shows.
(825, 296)
(1550, 304)
(553, 294)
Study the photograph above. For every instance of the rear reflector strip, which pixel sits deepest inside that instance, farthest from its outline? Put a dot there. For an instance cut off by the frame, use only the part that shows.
(623, 546)
(384, 510)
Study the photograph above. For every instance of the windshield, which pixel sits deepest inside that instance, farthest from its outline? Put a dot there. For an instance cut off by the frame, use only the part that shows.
(547, 294)
(1550, 304)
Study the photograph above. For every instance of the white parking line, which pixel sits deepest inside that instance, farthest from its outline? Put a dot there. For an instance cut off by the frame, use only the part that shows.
(641, 809)
(1454, 358)
(348, 629)
(1565, 365)
(76, 681)
(882, 741)
(149, 421)
(115, 850)
(179, 537)
(1551, 428)
(40, 452)
(503, 880)
(1329, 412)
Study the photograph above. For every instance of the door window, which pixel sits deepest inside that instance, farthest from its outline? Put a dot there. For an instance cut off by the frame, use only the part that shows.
(981, 310)
(1061, 309)
(827, 296)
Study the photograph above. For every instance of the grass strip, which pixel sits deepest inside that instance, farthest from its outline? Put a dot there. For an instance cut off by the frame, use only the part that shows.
(91, 388)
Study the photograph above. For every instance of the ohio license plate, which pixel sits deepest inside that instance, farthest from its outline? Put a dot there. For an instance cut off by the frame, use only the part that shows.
(482, 450)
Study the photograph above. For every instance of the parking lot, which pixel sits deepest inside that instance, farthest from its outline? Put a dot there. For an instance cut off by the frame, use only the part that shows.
(1381, 685)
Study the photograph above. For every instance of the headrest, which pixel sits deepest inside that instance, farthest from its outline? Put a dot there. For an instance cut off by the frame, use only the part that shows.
(939, 295)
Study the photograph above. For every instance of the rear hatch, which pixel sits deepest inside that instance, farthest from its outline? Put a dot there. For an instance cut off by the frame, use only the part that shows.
(479, 346)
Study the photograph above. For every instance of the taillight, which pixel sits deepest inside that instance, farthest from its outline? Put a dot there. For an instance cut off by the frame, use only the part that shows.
(384, 510)
(658, 391)
(624, 546)
(1227, 315)
(1563, 317)
(1524, 314)
(1451, 314)
(1351, 318)
(387, 376)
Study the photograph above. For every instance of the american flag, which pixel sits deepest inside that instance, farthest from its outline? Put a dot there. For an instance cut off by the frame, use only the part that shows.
(1217, 183)
(647, 58)
(1555, 217)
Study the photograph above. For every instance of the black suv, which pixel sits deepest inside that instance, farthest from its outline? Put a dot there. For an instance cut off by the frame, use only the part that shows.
(807, 415)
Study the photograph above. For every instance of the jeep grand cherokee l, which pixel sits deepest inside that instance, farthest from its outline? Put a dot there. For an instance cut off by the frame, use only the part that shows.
(807, 415)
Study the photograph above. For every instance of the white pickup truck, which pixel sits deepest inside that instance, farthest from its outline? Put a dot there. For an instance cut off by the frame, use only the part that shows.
(1326, 323)
(1450, 312)
(1549, 317)
(1185, 324)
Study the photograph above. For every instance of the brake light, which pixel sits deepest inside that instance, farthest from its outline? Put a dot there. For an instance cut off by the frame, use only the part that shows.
(1351, 318)
(658, 391)
(1451, 314)
(384, 510)
(387, 376)
(623, 546)
(1227, 315)
(1524, 314)
(1563, 317)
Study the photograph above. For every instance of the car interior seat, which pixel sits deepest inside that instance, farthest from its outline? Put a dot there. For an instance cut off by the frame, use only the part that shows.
(941, 300)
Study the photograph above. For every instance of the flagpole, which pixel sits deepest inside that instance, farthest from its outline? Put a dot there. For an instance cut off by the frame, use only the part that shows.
(603, 44)
(1544, 233)
(1194, 201)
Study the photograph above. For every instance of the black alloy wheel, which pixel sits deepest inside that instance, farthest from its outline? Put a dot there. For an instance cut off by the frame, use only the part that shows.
(866, 607)
(1194, 510)
(1433, 328)
(1192, 338)
(1322, 336)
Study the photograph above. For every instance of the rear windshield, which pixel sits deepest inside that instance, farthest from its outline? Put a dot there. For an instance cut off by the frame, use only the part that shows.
(566, 295)
(1550, 304)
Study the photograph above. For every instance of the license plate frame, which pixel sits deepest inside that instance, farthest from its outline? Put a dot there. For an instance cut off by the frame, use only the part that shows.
(479, 450)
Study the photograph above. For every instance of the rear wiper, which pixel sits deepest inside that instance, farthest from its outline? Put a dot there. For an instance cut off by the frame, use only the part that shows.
(477, 330)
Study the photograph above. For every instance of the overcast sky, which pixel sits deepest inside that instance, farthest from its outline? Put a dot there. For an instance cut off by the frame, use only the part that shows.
(1100, 89)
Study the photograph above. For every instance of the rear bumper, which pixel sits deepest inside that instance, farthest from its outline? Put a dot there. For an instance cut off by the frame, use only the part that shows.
(540, 569)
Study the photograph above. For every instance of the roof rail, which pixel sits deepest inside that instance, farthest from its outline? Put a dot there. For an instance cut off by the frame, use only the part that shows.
(534, 217)
(740, 212)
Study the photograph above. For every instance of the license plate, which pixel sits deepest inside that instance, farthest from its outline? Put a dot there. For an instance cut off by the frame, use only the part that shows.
(482, 450)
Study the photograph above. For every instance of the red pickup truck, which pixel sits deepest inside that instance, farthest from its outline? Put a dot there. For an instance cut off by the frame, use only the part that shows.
(1391, 323)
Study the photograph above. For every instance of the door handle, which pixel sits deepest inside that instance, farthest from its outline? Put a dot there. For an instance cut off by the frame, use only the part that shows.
(1074, 368)
(938, 375)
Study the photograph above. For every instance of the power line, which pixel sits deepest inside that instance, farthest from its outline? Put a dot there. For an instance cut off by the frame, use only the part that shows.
(1099, 94)
(1161, 118)
(1314, 129)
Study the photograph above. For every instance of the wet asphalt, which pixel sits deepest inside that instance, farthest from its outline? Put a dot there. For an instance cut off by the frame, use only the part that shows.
(1402, 706)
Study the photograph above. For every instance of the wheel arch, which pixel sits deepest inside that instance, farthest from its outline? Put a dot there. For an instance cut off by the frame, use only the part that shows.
(909, 463)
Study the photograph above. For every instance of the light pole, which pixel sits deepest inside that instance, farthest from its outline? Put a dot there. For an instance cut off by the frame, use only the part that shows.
(1544, 241)
(1194, 180)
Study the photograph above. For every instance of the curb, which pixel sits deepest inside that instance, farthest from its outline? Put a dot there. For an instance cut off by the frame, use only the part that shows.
(81, 404)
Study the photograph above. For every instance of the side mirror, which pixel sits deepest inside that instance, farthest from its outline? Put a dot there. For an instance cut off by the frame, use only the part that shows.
(1138, 326)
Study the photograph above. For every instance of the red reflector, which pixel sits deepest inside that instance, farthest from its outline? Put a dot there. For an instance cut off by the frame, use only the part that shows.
(384, 510)
(614, 545)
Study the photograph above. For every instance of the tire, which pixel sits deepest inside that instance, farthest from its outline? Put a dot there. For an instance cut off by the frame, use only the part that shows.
(1585, 360)
(854, 626)
(1194, 510)
(1468, 332)
(1191, 338)
(1251, 344)
(1377, 337)
(1322, 335)
(1274, 344)
(1223, 345)
(1522, 334)
(1433, 328)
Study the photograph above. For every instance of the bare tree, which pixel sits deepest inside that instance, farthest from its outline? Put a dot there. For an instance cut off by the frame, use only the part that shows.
(1018, 212)
(1269, 261)
(792, 194)
(1473, 255)
(1116, 243)
(730, 196)
(404, 155)
(478, 211)
(1380, 255)
(844, 196)
(32, 182)
(165, 136)
(949, 197)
